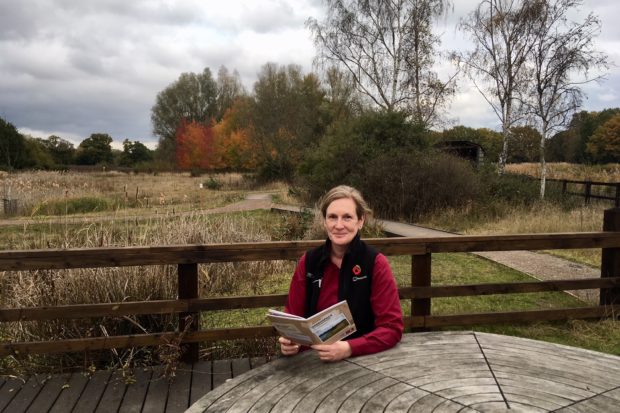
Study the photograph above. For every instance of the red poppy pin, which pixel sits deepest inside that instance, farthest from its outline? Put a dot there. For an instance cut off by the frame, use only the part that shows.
(357, 270)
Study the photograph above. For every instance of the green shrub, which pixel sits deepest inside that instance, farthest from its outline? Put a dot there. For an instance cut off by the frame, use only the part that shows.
(195, 172)
(212, 183)
(345, 152)
(293, 226)
(402, 185)
(519, 189)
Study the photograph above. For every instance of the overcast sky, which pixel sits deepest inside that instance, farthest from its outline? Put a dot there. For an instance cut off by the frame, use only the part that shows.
(72, 68)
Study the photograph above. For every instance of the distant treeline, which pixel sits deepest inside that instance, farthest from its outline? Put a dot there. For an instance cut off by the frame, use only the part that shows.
(591, 137)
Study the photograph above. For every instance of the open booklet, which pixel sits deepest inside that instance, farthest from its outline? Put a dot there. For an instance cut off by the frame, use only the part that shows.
(328, 326)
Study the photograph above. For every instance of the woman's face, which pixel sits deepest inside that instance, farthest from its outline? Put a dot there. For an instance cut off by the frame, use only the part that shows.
(341, 221)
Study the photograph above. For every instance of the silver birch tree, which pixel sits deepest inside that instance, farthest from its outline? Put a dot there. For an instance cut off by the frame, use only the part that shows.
(388, 47)
(563, 57)
(502, 32)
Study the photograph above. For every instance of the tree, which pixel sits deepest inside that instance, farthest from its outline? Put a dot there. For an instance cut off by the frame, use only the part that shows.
(233, 138)
(388, 47)
(387, 156)
(490, 140)
(62, 151)
(562, 51)
(134, 153)
(191, 98)
(561, 147)
(194, 146)
(286, 118)
(525, 141)
(341, 95)
(12, 146)
(37, 154)
(570, 145)
(229, 89)
(604, 145)
(347, 149)
(95, 149)
(502, 31)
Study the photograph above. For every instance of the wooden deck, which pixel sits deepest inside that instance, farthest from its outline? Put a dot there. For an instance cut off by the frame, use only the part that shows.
(107, 391)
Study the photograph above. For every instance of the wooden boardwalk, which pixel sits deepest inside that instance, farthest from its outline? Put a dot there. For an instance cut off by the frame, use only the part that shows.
(109, 391)
(431, 372)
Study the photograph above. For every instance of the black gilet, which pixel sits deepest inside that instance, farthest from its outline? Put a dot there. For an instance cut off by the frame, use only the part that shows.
(354, 281)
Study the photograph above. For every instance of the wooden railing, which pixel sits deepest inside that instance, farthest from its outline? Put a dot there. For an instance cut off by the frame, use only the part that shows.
(587, 190)
(420, 292)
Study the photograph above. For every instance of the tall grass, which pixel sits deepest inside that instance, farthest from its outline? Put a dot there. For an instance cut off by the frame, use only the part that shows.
(52, 288)
(59, 193)
(563, 170)
(78, 286)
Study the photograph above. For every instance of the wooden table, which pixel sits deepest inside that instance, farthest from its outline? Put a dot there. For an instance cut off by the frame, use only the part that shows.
(439, 372)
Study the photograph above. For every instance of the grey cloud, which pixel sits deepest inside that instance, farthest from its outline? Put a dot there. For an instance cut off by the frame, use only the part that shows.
(165, 13)
(96, 65)
(116, 117)
(260, 17)
(15, 21)
(274, 17)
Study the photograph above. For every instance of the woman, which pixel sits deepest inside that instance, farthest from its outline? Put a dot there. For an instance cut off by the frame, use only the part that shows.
(346, 268)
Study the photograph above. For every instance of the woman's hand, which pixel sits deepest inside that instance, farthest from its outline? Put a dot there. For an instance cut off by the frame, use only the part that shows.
(333, 352)
(287, 347)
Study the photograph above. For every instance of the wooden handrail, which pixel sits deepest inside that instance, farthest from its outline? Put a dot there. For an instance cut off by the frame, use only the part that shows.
(506, 288)
(572, 181)
(190, 304)
(135, 340)
(66, 312)
(19, 260)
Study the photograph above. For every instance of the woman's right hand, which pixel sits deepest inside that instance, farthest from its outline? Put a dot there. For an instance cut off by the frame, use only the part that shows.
(287, 347)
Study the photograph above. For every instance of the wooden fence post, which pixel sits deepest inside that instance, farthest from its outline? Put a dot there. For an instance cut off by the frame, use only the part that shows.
(421, 277)
(188, 288)
(610, 261)
(588, 192)
(564, 185)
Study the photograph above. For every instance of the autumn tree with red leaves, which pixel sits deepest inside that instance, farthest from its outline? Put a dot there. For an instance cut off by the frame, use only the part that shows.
(195, 146)
(233, 138)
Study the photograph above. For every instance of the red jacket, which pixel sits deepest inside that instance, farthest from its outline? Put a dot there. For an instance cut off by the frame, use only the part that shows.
(383, 300)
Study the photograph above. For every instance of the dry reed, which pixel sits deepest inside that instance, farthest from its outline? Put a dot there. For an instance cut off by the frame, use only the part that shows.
(78, 286)
(165, 190)
(564, 170)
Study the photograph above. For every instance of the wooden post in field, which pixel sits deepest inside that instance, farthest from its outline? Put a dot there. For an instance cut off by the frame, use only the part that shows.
(564, 185)
(421, 277)
(188, 288)
(588, 192)
(610, 262)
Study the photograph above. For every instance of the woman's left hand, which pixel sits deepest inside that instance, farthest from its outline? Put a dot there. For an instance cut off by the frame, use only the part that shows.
(333, 352)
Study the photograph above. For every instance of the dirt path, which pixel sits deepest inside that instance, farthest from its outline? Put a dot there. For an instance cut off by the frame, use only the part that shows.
(547, 267)
(538, 265)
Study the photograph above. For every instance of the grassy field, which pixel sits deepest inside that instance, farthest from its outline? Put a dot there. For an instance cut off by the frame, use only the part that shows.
(50, 288)
(563, 170)
(537, 216)
(51, 193)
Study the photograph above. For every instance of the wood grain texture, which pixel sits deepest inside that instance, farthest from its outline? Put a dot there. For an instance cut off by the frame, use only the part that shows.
(438, 371)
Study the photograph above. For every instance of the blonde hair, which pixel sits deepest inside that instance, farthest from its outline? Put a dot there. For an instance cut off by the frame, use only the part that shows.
(344, 191)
